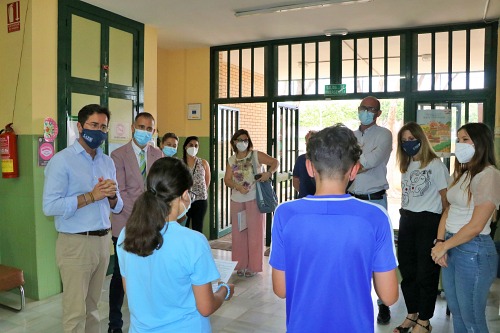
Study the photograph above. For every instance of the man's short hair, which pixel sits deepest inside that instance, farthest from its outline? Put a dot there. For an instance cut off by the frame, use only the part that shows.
(146, 115)
(333, 151)
(88, 110)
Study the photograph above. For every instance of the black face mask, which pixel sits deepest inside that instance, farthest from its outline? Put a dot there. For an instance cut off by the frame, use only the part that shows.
(411, 148)
(349, 183)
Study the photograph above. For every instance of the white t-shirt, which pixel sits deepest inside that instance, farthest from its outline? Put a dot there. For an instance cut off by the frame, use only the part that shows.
(420, 186)
(485, 186)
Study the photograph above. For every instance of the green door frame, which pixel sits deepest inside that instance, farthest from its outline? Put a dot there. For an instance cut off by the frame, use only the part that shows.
(66, 84)
(408, 73)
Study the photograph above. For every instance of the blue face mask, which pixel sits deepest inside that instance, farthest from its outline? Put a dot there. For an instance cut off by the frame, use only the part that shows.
(181, 215)
(366, 117)
(411, 148)
(169, 151)
(94, 138)
(142, 137)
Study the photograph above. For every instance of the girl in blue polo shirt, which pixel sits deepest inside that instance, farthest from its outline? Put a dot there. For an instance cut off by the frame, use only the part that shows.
(167, 269)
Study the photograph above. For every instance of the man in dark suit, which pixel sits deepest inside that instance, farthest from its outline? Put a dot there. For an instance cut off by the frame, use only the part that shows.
(132, 162)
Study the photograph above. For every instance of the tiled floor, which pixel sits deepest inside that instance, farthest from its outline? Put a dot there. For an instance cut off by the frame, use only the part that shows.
(254, 308)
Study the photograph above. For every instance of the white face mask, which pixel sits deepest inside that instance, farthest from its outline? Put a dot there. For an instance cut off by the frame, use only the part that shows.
(464, 152)
(192, 151)
(242, 146)
(184, 212)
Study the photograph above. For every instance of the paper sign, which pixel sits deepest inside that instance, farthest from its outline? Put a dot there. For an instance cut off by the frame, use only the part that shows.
(225, 268)
(242, 220)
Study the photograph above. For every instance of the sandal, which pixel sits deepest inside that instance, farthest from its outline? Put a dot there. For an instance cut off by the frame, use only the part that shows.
(249, 274)
(428, 327)
(240, 272)
(401, 329)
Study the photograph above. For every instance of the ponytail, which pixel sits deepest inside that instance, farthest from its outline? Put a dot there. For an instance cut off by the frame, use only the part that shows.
(167, 180)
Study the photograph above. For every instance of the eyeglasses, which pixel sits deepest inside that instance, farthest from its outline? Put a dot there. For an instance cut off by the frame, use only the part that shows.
(363, 108)
(242, 140)
(96, 126)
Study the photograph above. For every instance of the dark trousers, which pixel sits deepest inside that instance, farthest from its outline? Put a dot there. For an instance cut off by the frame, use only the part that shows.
(196, 214)
(116, 294)
(420, 274)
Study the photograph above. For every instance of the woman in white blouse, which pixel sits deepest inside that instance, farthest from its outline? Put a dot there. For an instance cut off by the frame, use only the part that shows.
(464, 247)
(424, 179)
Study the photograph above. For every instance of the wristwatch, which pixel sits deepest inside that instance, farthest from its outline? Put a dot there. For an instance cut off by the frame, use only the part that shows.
(437, 240)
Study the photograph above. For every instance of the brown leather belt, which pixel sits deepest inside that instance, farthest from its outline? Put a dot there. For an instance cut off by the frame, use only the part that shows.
(373, 196)
(100, 233)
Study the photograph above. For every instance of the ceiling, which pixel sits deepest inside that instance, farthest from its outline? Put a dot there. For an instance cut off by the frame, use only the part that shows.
(184, 24)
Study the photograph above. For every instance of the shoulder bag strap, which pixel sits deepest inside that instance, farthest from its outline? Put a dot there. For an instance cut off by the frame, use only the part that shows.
(255, 164)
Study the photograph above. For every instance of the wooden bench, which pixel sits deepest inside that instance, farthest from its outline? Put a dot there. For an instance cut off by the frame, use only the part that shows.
(11, 278)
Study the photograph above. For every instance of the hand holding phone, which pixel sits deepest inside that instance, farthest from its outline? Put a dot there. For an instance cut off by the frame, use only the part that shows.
(257, 176)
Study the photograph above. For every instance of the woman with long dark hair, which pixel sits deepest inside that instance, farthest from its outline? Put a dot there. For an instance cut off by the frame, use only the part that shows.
(167, 269)
(424, 179)
(464, 247)
(200, 170)
(247, 244)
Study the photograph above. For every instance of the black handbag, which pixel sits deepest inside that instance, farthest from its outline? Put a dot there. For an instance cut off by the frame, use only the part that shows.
(267, 201)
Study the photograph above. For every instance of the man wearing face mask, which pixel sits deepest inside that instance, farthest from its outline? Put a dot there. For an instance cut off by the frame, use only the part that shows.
(371, 182)
(132, 162)
(81, 191)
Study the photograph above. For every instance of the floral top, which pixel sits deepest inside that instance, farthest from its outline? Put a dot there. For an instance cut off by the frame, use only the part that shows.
(199, 186)
(243, 175)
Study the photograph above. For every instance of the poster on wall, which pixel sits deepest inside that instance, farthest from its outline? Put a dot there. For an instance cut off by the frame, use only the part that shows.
(119, 134)
(72, 130)
(45, 151)
(436, 124)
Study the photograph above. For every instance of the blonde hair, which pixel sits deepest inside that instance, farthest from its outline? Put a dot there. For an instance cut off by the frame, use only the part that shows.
(426, 153)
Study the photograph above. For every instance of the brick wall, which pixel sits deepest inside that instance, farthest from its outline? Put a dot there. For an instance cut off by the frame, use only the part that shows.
(252, 115)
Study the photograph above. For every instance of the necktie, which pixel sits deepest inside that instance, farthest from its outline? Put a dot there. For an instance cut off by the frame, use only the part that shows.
(142, 165)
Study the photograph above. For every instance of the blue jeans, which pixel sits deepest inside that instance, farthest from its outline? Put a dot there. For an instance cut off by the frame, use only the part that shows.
(472, 267)
(381, 202)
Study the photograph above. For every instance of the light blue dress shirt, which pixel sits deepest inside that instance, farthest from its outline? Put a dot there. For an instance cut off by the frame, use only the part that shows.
(68, 174)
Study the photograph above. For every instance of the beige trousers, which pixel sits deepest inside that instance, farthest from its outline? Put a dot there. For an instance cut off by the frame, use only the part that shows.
(83, 262)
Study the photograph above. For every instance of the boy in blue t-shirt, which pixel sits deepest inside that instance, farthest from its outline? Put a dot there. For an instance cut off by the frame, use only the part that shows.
(326, 248)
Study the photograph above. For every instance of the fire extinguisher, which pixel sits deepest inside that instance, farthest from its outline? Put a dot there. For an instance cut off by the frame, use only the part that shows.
(8, 152)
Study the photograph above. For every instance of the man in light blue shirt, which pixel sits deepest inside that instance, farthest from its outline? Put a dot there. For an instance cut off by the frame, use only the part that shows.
(371, 182)
(80, 191)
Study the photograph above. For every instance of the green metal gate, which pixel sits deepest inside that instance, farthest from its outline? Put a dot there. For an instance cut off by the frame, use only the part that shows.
(226, 123)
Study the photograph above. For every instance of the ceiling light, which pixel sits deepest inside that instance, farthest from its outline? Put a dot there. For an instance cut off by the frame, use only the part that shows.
(296, 5)
(336, 32)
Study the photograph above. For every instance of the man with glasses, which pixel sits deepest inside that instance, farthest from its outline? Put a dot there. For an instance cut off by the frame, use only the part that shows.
(132, 162)
(371, 182)
(80, 191)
